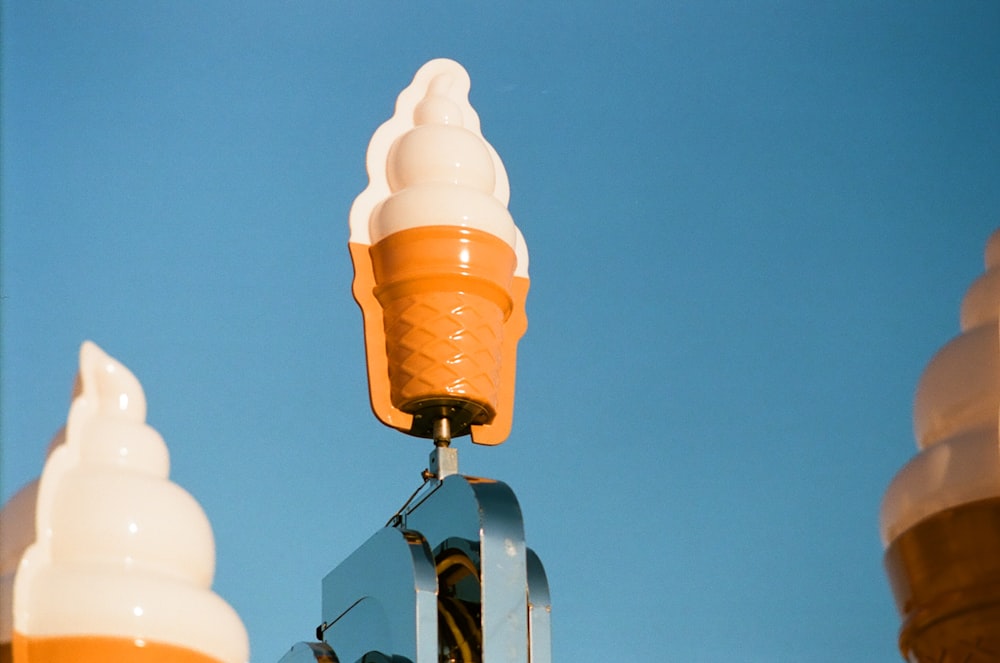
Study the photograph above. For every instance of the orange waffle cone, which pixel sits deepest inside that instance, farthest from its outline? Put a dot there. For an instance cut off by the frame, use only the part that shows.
(445, 294)
(443, 345)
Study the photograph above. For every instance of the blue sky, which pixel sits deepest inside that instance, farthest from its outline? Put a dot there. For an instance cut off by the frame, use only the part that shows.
(750, 227)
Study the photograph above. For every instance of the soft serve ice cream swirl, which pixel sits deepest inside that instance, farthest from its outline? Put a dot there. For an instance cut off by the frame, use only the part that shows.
(123, 561)
(441, 173)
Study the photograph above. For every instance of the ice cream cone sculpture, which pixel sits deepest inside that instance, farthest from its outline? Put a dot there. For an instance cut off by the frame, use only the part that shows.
(440, 268)
(122, 562)
(940, 518)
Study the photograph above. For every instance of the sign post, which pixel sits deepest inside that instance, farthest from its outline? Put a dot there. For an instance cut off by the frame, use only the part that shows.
(441, 276)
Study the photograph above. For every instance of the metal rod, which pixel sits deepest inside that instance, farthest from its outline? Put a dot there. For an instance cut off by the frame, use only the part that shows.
(442, 432)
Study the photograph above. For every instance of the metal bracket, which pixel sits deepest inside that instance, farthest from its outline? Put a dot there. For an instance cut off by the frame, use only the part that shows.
(384, 599)
(443, 462)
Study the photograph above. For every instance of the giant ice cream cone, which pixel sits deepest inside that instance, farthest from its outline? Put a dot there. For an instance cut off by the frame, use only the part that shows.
(122, 565)
(440, 267)
(940, 519)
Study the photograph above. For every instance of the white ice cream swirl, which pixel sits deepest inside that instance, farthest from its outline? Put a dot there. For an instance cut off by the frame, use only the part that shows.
(441, 174)
(122, 552)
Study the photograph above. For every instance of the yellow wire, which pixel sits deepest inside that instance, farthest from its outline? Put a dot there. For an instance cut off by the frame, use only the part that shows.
(444, 568)
(456, 632)
(456, 559)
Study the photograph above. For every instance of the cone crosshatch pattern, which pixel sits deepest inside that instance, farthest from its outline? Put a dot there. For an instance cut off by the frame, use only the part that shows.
(441, 270)
(423, 331)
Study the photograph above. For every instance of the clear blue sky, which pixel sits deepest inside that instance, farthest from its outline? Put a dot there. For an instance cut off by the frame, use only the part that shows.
(750, 227)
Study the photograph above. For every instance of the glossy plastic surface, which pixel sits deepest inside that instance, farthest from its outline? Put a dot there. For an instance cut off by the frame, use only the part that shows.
(435, 182)
(123, 560)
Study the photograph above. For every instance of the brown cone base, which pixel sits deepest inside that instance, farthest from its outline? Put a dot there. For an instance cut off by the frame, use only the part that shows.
(945, 575)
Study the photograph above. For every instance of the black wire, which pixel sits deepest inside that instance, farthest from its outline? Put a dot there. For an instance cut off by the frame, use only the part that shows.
(397, 517)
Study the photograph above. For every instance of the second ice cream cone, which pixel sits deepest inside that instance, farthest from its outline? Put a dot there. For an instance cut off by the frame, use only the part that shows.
(122, 562)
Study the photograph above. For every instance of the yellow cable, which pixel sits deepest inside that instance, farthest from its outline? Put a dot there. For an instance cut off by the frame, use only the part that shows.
(455, 561)
(456, 633)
